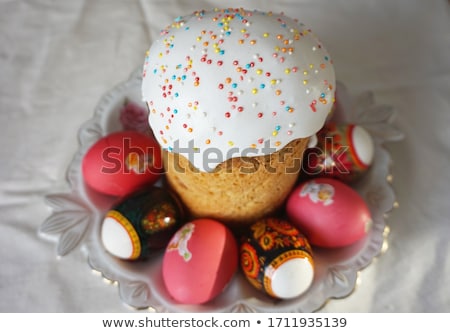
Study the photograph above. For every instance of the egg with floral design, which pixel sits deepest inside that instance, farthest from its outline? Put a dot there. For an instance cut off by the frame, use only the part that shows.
(343, 151)
(200, 261)
(122, 162)
(141, 223)
(277, 259)
(329, 212)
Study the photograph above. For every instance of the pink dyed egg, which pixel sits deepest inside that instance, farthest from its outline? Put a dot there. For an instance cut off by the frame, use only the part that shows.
(121, 162)
(199, 262)
(329, 212)
(343, 151)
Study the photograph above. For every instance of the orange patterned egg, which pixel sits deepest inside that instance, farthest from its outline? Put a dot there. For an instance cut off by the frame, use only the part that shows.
(277, 259)
(343, 151)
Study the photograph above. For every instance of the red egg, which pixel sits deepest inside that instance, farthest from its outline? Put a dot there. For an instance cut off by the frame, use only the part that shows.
(199, 262)
(329, 212)
(343, 151)
(121, 162)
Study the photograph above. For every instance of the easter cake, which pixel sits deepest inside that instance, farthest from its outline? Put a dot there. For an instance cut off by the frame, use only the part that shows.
(234, 97)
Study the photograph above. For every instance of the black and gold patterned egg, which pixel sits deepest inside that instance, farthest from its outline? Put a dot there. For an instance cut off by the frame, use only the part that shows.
(277, 259)
(141, 223)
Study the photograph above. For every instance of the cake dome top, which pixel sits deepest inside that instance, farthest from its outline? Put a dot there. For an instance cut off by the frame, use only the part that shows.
(232, 82)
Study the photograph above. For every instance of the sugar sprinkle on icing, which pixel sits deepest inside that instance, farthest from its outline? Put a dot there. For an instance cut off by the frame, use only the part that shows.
(235, 78)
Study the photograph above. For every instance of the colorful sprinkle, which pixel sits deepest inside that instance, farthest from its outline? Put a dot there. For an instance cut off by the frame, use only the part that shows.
(261, 84)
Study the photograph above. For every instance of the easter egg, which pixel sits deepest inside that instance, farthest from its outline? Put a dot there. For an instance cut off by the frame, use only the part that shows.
(277, 259)
(141, 223)
(343, 151)
(329, 212)
(121, 162)
(200, 261)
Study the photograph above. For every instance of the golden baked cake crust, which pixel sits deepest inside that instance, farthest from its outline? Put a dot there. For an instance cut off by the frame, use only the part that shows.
(239, 190)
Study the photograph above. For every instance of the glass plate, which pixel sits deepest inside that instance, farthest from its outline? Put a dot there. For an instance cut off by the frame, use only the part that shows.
(76, 218)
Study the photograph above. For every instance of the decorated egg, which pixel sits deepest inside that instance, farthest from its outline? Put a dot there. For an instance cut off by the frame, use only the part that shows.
(343, 151)
(199, 262)
(121, 162)
(329, 212)
(141, 223)
(277, 259)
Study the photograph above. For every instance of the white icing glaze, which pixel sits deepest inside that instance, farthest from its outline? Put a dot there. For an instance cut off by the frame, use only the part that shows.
(292, 278)
(228, 83)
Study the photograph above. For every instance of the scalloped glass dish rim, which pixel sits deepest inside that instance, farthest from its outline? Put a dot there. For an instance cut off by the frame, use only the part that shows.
(140, 283)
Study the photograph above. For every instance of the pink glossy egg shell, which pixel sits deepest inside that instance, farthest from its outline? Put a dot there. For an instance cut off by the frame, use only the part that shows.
(199, 262)
(329, 212)
(122, 162)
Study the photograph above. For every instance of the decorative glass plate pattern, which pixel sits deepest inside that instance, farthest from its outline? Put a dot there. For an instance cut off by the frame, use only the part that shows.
(76, 218)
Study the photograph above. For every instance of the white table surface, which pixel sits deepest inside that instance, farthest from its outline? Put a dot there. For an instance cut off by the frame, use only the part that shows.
(57, 58)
